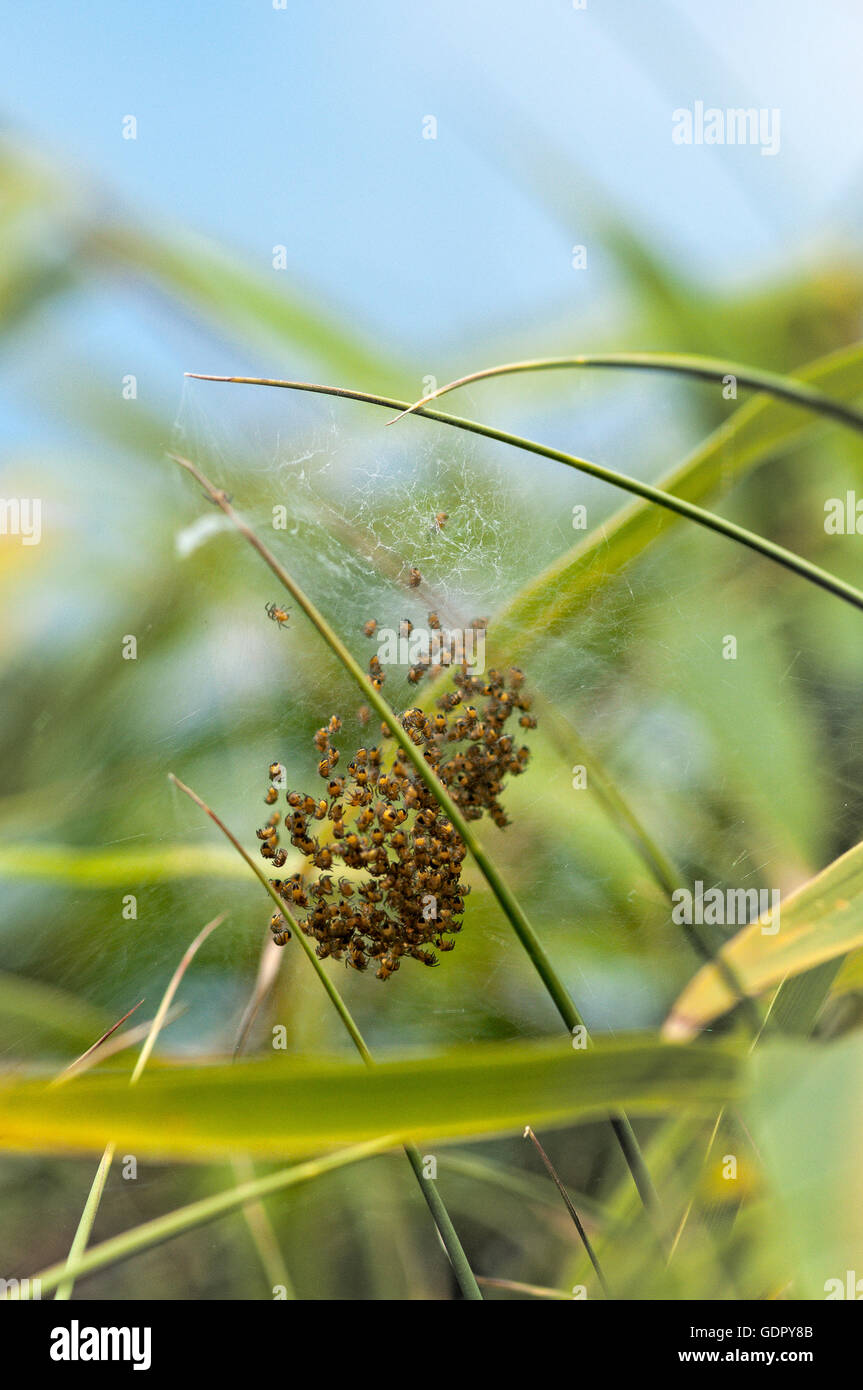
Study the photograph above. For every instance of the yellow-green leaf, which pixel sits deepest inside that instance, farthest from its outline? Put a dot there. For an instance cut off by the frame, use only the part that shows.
(804, 1115)
(289, 1107)
(820, 922)
(106, 868)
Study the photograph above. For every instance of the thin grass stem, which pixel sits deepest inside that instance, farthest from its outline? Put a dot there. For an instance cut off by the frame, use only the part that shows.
(681, 364)
(777, 553)
(186, 1218)
(80, 1061)
(81, 1239)
(117, 1043)
(263, 1234)
(336, 999)
(568, 1203)
(530, 1290)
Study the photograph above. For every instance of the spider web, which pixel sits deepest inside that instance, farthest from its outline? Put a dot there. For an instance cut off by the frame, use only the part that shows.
(361, 500)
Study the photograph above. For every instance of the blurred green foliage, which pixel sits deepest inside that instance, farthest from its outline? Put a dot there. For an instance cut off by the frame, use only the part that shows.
(745, 774)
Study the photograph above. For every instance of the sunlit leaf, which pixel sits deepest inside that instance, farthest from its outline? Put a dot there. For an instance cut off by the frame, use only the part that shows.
(287, 1106)
(820, 922)
(108, 868)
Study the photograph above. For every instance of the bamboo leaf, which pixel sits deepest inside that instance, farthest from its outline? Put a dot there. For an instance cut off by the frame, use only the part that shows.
(849, 977)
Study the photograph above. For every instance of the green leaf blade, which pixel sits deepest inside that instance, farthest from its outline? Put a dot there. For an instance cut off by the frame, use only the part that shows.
(288, 1107)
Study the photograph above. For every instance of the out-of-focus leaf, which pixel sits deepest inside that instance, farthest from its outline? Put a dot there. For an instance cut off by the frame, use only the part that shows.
(850, 974)
(800, 1000)
(239, 302)
(804, 1113)
(820, 922)
(260, 312)
(286, 1106)
(527, 154)
(107, 868)
(33, 267)
(38, 1017)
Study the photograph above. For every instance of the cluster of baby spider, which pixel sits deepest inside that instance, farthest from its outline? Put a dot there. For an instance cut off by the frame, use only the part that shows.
(404, 896)
(422, 664)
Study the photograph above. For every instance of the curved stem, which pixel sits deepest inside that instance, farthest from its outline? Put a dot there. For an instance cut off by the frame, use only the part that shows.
(681, 364)
(787, 558)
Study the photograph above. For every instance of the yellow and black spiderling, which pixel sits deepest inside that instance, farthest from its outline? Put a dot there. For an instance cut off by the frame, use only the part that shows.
(277, 613)
(398, 892)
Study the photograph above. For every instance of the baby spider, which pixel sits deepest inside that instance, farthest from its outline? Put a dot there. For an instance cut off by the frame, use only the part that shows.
(279, 615)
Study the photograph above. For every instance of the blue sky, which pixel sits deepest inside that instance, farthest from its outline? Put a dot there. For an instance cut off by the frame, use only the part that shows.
(303, 127)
